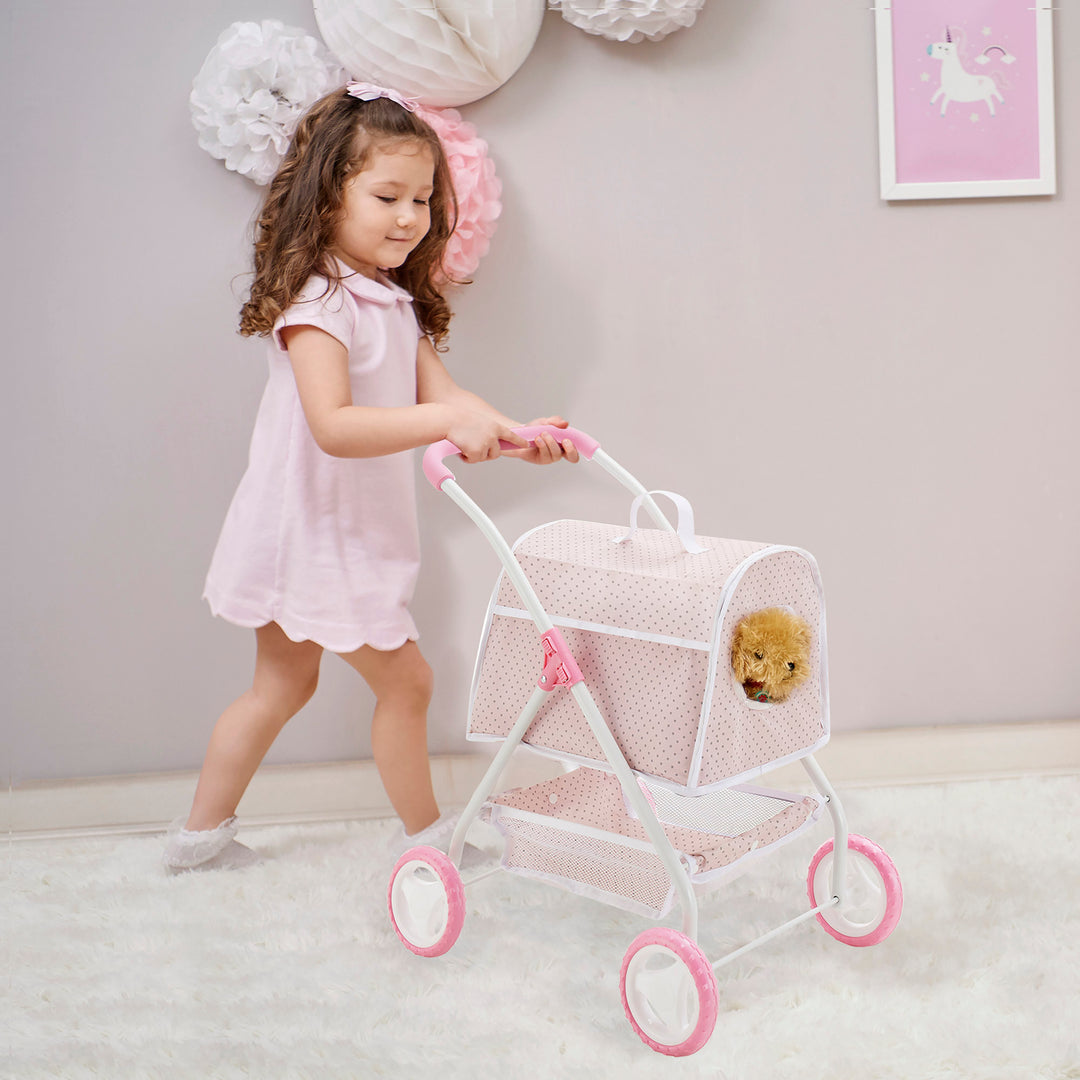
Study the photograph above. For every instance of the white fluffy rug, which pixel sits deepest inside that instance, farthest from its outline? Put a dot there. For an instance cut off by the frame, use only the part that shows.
(290, 969)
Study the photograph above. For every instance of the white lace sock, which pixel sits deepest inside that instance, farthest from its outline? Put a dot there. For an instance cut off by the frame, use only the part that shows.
(205, 849)
(438, 835)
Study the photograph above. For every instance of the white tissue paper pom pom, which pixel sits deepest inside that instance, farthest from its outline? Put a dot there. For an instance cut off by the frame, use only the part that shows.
(257, 82)
(445, 53)
(631, 20)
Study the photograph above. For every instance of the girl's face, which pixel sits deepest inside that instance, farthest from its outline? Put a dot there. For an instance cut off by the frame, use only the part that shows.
(386, 211)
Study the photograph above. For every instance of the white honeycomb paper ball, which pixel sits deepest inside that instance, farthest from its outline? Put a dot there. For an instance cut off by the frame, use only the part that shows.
(443, 53)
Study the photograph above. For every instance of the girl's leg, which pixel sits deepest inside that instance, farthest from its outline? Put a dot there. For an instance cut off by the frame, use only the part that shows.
(402, 683)
(286, 674)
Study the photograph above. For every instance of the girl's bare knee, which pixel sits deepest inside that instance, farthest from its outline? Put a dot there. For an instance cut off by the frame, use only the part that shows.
(409, 693)
(401, 675)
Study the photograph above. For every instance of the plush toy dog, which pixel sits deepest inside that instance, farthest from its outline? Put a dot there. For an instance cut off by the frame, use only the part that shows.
(770, 653)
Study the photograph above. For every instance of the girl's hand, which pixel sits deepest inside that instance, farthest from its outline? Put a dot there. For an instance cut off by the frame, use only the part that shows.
(477, 435)
(547, 450)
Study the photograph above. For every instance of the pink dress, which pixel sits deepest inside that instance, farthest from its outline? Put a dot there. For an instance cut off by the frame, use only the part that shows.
(327, 547)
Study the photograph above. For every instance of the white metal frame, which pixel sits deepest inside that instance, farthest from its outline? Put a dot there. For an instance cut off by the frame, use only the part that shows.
(1043, 184)
(673, 864)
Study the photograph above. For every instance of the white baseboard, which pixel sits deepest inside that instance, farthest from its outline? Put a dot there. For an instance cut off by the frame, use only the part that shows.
(936, 755)
(278, 794)
(337, 791)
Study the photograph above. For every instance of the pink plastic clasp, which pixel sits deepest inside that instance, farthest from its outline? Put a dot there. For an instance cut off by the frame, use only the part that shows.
(560, 668)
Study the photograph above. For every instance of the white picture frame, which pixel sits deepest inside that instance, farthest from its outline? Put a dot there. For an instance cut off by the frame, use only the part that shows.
(924, 150)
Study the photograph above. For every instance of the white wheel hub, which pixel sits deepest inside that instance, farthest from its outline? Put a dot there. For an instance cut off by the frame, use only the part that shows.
(662, 995)
(865, 896)
(419, 904)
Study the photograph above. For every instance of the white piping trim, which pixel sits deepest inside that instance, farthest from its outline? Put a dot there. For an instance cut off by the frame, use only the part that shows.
(756, 771)
(673, 786)
(603, 628)
(726, 596)
(550, 821)
(543, 525)
(714, 656)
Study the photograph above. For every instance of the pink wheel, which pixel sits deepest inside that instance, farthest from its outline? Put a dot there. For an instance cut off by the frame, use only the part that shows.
(426, 901)
(873, 896)
(669, 992)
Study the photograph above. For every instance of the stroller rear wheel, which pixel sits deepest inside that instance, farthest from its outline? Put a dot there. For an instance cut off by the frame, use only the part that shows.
(426, 901)
(669, 992)
(874, 897)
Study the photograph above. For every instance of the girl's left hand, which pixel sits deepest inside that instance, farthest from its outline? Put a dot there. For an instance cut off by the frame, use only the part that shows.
(547, 450)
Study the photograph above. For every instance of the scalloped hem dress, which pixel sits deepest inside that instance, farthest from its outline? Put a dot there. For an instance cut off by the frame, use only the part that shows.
(326, 547)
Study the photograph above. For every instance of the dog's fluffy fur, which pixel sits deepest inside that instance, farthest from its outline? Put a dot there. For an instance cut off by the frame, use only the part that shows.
(770, 653)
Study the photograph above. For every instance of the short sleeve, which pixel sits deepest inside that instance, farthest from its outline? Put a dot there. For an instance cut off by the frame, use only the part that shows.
(318, 305)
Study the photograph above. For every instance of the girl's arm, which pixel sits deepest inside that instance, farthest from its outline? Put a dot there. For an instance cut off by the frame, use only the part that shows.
(320, 365)
(434, 385)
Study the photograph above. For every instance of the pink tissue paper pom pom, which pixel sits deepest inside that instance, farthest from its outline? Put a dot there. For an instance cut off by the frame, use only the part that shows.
(477, 188)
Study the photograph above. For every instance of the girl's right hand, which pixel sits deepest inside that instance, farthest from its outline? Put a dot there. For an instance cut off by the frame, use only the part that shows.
(477, 435)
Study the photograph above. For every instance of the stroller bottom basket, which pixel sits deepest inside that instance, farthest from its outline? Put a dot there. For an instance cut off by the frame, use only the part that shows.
(577, 831)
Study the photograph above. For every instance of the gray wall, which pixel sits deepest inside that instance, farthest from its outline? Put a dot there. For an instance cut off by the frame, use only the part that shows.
(693, 264)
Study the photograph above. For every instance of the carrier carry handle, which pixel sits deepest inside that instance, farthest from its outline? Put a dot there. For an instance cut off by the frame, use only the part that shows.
(685, 527)
(437, 472)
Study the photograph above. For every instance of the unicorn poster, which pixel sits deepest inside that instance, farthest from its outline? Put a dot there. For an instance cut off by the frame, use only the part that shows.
(965, 93)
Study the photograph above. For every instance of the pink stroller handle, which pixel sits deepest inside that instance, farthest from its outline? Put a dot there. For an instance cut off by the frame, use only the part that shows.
(437, 472)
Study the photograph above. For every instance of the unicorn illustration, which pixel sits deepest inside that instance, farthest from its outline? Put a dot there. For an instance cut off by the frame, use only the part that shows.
(957, 84)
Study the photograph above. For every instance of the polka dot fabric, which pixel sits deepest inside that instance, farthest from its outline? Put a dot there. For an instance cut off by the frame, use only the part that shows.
(642, 688)
(612, 872)
(654, 694)
(741, 736)
(649, 583)
(593, 799)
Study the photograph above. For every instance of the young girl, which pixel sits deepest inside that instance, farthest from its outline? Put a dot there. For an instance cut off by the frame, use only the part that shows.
(319, 550)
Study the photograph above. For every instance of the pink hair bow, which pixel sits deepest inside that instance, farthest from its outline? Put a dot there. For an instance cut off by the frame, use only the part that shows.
(369, 92)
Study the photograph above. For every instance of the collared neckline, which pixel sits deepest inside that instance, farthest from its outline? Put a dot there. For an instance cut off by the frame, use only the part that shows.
(381, 290)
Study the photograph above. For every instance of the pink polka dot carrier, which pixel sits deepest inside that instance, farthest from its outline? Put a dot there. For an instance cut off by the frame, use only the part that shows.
(608, 648)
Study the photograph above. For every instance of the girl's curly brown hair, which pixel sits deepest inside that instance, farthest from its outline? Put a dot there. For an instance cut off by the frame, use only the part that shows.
(304, 204)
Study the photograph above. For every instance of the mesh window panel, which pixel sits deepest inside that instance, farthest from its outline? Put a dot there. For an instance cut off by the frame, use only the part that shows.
(728, 812)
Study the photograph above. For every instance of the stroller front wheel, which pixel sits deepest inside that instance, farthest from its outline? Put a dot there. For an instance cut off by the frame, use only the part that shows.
(426, 901)
(874, 897)
(669, 992)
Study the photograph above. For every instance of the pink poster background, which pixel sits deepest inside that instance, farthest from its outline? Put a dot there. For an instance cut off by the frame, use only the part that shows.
(968, 143)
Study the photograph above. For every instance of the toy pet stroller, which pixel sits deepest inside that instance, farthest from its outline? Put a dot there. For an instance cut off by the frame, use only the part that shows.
(618, 645)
